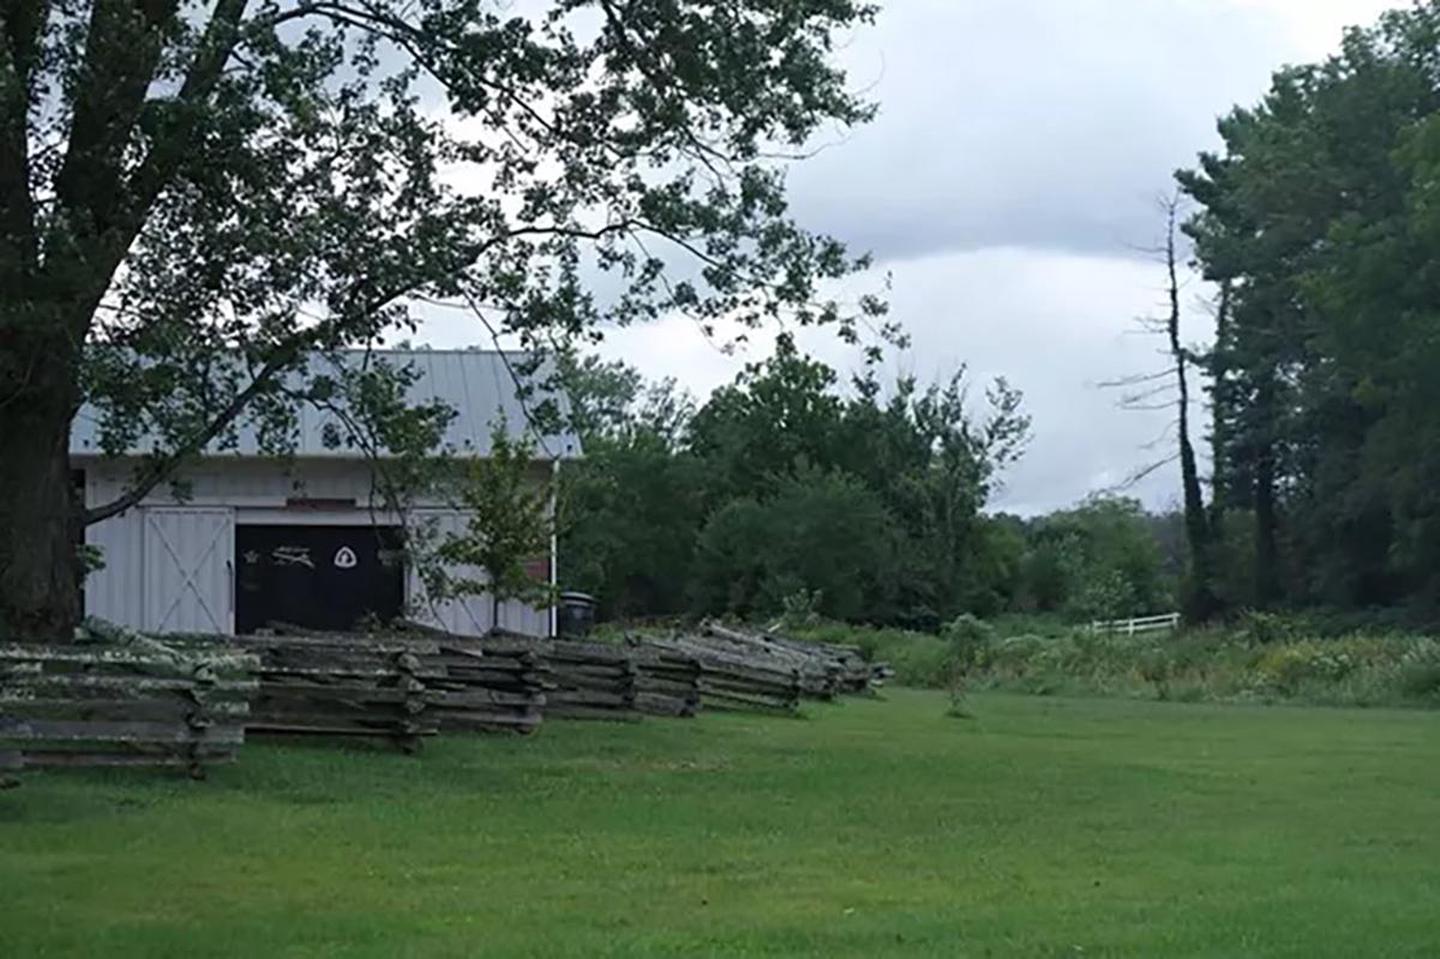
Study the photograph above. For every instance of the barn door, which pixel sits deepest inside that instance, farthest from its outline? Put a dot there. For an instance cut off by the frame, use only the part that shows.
(188, 570)
(467, 616)
(472, 615)
(321, 577)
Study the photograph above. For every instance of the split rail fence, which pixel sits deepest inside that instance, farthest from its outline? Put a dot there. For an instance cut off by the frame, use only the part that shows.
(127, 701)
(607, 681)
(393, 688)
(190, 701)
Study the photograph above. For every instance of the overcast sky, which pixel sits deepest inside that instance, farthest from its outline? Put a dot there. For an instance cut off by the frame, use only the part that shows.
(1008, 191)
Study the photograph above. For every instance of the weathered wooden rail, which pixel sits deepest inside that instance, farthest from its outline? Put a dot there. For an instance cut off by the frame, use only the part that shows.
(591, 680)
(190, 700)
(770, 671)
(714, 666)
(340, 686)
(667, 682)
(125, 701)
(482, 691)
(826, 669)
(401, 687)
(606, 681)
(850, 671)
(731, 680)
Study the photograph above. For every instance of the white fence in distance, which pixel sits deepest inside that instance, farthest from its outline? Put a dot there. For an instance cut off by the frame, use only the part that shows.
(1144, 624)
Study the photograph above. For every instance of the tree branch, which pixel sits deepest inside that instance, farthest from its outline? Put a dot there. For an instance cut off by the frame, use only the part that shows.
(122, 53)
(161, 468)
(281, 356)
(20, 24)
(159, 165)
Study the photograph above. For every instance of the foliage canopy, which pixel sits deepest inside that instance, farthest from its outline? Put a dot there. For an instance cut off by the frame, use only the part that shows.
(197, 196)
(1318, 220)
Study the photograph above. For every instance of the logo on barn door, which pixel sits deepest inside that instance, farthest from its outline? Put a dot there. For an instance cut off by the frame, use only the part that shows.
(345, 558)
(292, 556)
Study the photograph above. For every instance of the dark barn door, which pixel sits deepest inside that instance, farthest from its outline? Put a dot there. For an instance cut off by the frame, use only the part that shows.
(320, 577)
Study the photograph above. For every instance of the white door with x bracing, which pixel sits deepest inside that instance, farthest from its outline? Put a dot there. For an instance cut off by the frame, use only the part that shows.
(188, 570)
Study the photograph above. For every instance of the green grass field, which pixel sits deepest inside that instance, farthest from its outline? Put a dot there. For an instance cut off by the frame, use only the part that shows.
(1040, 827)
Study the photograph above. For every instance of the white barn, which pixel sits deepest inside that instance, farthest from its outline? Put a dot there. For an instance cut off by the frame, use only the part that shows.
(300, 540)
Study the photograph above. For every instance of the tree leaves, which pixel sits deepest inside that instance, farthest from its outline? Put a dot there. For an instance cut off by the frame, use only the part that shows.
(1317, 219)
(781, 483)
(268, 180)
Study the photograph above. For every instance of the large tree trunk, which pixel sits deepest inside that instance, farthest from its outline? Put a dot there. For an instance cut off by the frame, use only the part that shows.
(1222, 496)
(1200, 601)
(1267, 520)
(39, 524)
(1267, 550)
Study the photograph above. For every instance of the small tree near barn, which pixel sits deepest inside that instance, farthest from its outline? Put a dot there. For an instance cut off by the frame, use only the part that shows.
(510, 523)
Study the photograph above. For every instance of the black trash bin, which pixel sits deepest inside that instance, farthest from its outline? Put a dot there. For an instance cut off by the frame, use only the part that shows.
(576, 615)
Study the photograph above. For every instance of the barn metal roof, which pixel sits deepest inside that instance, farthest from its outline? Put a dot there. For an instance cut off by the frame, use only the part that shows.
(481, 386)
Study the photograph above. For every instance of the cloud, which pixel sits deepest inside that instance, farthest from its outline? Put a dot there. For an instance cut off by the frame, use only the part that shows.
(1049, 124)
(1056, 325)
(1313, 27)
(1008, 186)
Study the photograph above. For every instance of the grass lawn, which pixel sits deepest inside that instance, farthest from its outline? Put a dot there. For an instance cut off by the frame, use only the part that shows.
(1039, 828)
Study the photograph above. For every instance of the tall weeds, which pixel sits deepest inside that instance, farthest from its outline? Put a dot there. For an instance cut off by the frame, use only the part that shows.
(1255, 662)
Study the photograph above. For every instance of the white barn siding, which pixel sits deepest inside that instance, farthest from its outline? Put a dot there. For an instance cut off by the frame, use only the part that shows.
(241, 483)
(169, 561)
(470, 616)
(117, 591)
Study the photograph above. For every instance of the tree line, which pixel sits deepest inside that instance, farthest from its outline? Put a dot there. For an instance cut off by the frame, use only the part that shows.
(1319, 224)
(790, 491)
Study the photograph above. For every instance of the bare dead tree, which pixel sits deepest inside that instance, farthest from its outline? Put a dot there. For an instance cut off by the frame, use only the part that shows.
(1170, 388)
(1199, 601)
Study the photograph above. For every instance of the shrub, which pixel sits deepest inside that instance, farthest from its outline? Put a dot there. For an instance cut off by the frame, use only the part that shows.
(1419, 672)
(970, 640)
(1156, 667)
(800, 608)
(920, 660)
(1285, 668)
(1014, 655)
(919, 619)
(1031, 624)
(1104, 595)
(823, 533)
(1265, 629)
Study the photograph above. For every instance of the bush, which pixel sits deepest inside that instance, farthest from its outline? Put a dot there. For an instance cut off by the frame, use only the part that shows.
(801, 608)
(1419, 673)
(1031, 624)
(1264, 629)
(1104, 595)
(919, 619)
(1015, 656)
(1100, 560)
(970, 640)
(919, 660)
(821, 533)
(1287, 667)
